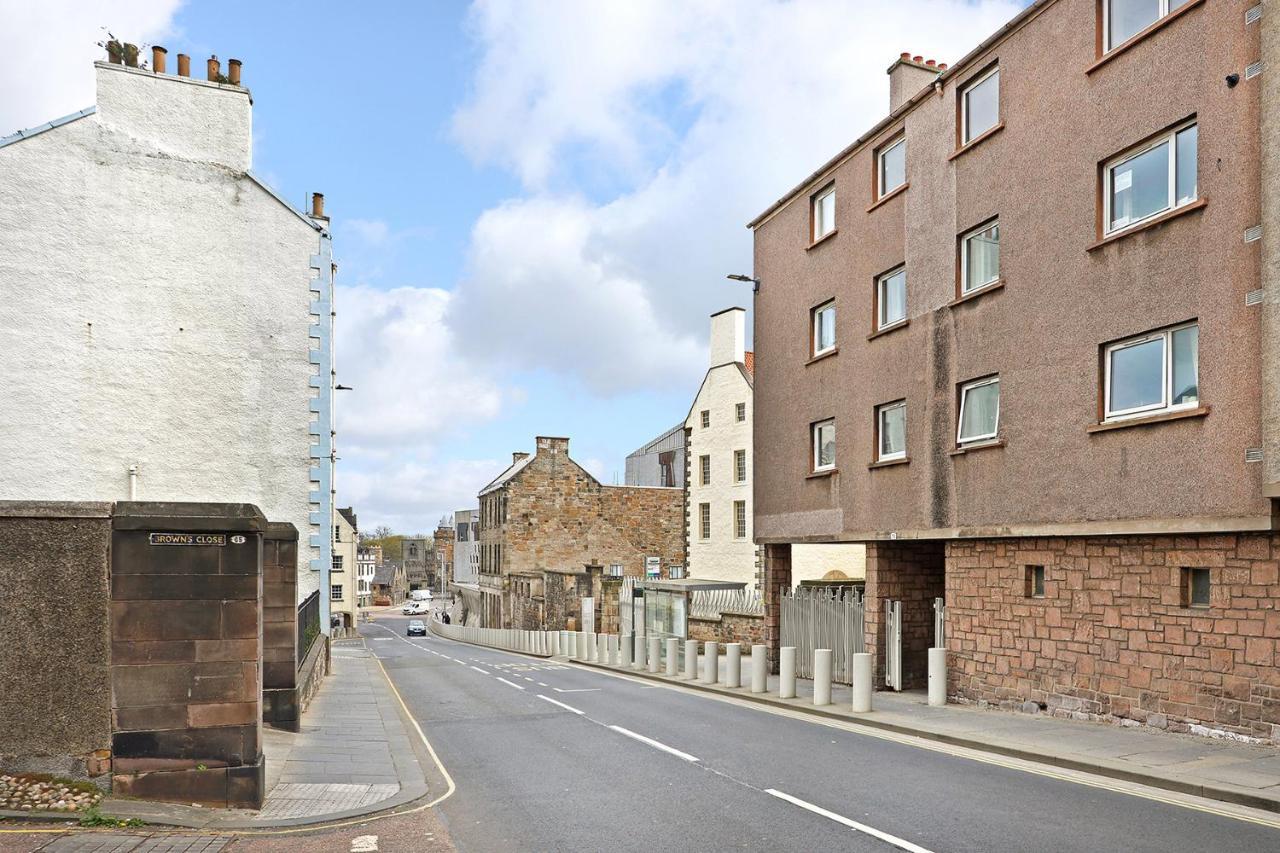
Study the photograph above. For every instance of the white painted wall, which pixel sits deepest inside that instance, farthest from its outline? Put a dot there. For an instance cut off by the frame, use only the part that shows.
(344, 545)
(155, 310)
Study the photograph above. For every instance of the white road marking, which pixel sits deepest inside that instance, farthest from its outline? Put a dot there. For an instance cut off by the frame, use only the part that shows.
(364, 844)
(527, 678)
(653, 743)
(561, 704)
(900, 843)
(542, 684)
(511, 683)
(576, 689)
(479, 670)
(382, 639)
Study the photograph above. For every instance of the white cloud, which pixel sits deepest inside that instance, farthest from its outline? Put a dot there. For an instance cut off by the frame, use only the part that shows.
(373, 232)
(47, 59)
(412, 495)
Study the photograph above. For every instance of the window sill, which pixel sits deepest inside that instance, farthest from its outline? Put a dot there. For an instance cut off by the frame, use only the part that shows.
(893, 193)
(1142, 35)
(901, 324)
(1198, 204)
(826, 472)
(976, 141)
(824, 354)
(980, 445)
(998, 284)
(889, 463)
(1163, 417)
(824, 238)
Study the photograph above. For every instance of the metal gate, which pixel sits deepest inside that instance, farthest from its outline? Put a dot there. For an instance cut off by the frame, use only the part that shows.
(893, 644)
(823, 618)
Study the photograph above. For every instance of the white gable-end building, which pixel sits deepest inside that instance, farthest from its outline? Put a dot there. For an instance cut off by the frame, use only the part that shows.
(166, 320)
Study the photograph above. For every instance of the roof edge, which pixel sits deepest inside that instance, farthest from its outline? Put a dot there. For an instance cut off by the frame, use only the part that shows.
(48, 125)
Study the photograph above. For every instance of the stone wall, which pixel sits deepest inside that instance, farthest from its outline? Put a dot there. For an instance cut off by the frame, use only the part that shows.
(280, 706)
(912, 573)
(744, 628)
(1111, 638)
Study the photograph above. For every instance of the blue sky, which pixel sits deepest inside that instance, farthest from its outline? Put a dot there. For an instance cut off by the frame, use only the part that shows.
(534, 203)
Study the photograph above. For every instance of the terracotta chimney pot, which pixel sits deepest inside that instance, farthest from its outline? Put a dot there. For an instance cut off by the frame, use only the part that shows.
(317, 205)
(115, 53)
(233, 71)
(158, 56)
(942, 66)
(214, 68)
(917, 59)
(906, 54)
(184, 65)
(931, 62)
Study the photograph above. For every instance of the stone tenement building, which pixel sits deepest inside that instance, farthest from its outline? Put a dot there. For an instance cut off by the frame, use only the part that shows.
(1022, 338)
(549, 530)
(417, 561)
(442, 553)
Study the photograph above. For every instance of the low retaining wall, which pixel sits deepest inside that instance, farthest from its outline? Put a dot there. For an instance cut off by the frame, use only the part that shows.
(744, 628)
(316, 666)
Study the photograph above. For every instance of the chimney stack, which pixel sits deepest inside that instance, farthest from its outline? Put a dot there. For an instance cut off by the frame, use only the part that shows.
(518, 456)
(233, 71)
(908, 75)
(184, 65)
(214, 69)
(158, 55)
(728, 336)
(553, 445)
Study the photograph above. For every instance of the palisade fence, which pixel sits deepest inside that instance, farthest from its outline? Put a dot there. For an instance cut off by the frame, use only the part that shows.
(823, 618)
(711, 603)
(625, 595)
(308, 624)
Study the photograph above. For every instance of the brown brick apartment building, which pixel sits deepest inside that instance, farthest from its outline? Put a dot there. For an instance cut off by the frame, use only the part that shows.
(549, 533)
(1021, 339)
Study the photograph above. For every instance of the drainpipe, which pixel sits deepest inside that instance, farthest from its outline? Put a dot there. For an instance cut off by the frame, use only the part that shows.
(133, 482)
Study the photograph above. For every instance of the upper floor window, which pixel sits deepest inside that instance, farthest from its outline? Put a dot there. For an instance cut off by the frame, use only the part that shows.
(891, 298)
(824, 328)
(740, 519)
(979, 410)
(705, 465)
(824, 214)
(337, 533)
(335, 592)
(706, 418)
(892, 166)
(1153, 373)
(891, 431)
(980, 257)
(704, 521)
(1123, 19)
(980, 106)
(1156, 177)
(740, 411)
(337, 562)
(739, 466)
(824, 445)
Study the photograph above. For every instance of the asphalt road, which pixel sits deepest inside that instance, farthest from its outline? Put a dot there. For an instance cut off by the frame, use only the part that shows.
(551, 756)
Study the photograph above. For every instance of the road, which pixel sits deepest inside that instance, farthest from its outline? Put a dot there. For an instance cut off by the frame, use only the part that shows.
(553, 756)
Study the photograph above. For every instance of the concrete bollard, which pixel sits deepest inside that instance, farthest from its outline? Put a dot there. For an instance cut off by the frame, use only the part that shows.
(570, 647)
(655, 653)
(638, 663)
(861, 683)
(673, 657)
(787, 672)
(691, 659)
(733, 665)
(759, 669)
(822, 676)
(937, 677)
(593, 654)
(711, 662)
(553, 642)
(584, 649)
(625, 649)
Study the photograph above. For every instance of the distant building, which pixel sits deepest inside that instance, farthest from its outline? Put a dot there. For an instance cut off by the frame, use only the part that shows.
(661, 462)
(344, 583)
(416, 556)
(465, 575)
(390, 584)
(368, 558)
(443, 553)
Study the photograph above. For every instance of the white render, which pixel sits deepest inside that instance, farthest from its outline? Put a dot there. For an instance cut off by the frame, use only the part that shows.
(344, 546)
(156, 311)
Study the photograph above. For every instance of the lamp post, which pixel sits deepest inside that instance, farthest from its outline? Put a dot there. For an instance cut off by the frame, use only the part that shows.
(755, 282)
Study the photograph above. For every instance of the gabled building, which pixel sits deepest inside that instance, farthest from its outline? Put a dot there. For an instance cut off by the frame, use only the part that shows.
(344, 582)
(390, 584)
(415, 554)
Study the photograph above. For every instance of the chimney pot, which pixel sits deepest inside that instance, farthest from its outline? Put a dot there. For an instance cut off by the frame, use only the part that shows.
(115, 53)
(158, 55)
(317, 205)
(942, 66)
(184, 65)
(130, 55)
(906, 54)
(917, 59)
(214, 69)
(931, 62)
(233, 71)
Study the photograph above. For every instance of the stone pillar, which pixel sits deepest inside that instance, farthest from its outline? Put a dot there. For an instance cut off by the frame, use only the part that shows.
(777, 580)
(281, 705)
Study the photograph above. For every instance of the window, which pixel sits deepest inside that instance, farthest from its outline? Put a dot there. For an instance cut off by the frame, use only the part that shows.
(891, 431)
(704, 521)
(1195, 587)
(337, 562)
(740, 519)
(335, 592)
(892, 166)
(891, 298)
(1123, 19)
(741, 412)
(1153, 373)
(824, 445)
(980, 257)
(739, 466)
(706, 418)
(979, 410)
(337, 533)
(824, 328)
(1035, 582)
(704, 463)
(980, 106)
(824, 214)
(1159, 176)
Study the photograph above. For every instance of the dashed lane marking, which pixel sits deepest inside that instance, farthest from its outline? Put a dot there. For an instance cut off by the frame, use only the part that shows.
(653, 743)
(481, 671)
(561, 704)
(511, 683)
(900, 843)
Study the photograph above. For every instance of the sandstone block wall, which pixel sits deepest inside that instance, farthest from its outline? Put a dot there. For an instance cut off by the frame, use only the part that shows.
(280, 705)
(910, 572)
(744, 628)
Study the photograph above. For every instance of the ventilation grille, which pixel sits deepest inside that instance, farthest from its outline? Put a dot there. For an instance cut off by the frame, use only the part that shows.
(1252, 16)
(1253, 297)
(1252, 234)
(1253, 454)
(1253, 70)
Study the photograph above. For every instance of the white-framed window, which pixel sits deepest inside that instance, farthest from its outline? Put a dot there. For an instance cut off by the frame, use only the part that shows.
(704, 521)
(740, 411)
(739, 466)
(891, 166)
(704, 466)
(1158, 176)
(980, 105)
(979, 410)
(1123, 19)
(891, 298)
(980, 257)
(706, 418)
(891, 431)
(824, 445)
(337, 562)
(824, 328)
(739, 519)
(1153, 373)
(335, 592)
(824, 214)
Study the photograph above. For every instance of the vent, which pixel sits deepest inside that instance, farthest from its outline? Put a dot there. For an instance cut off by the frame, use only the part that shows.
(1253, 297)
(1253, 70)
(1253, 454)
(1252, 16)
(1253, 234)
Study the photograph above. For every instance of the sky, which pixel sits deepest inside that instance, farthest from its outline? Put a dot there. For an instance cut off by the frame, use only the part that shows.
(534, 202)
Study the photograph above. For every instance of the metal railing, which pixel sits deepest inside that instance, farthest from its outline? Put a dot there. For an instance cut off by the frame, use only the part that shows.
(823, 618)
(308, 624)
(711, 603)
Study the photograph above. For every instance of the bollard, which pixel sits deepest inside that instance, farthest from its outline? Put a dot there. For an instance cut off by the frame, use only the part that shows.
(937, 677)
(553, 637)
(691, 659)
(593, 653)
(624, 649)
(655, 653)
(759, 669)
(787, 672)
(822, 676)
(673, 657)
(711, 662)
(638, 663)
(570, 646)
(615, 650)
(733, 665)
(583, 649)
(861, 683)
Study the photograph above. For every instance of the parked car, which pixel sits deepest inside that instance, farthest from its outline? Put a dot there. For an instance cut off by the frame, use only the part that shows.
(418, 627)
(413, 608)
(420, 595)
